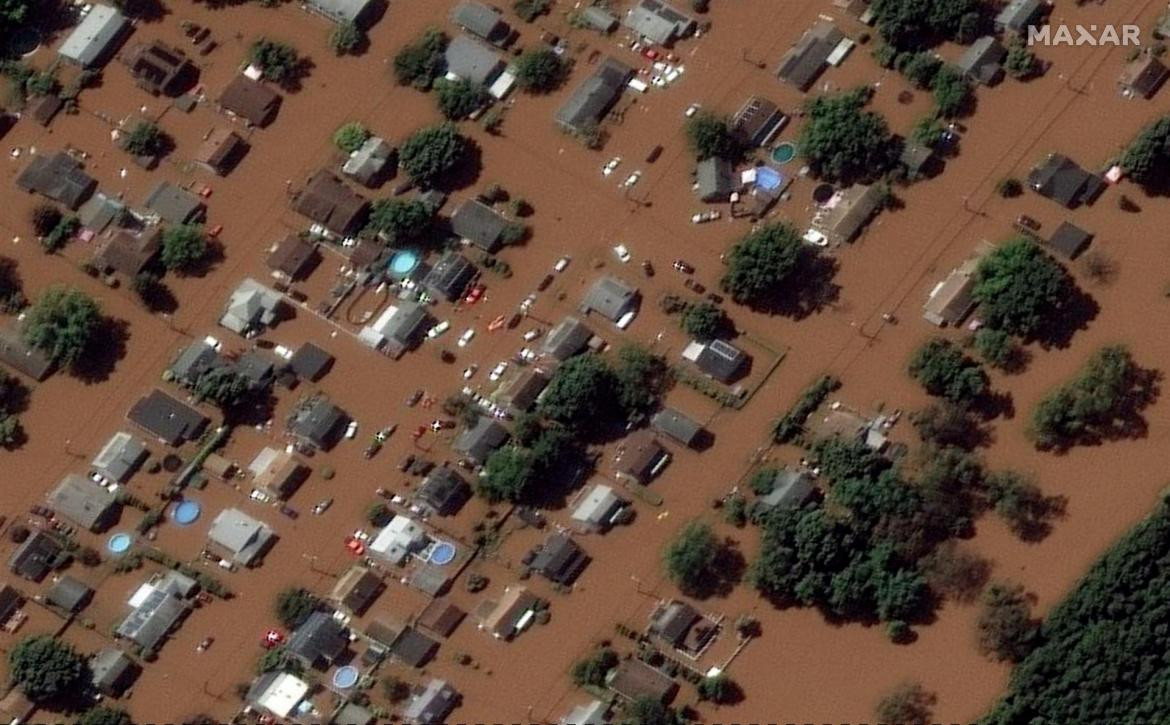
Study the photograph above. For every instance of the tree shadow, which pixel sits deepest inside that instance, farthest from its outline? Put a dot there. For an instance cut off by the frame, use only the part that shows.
(294, 79)
(1075, 313)
(809, 288)
(994, 404)
(214, 256)
(158, 298)
(466, 173)
(106, 347)
(146, 11)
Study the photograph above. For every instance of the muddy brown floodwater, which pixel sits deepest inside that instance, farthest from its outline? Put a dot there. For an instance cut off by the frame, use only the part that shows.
(802, 669)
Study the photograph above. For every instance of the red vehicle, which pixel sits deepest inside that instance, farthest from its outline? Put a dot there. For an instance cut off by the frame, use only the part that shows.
(474, 295)
(272, 638)
(650, 53)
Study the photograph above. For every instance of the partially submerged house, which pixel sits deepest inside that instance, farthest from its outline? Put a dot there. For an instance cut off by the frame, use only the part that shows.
(342, 11)
(440, 617)
(319, 641)
(69, 595)
(432, 703)
(168, 420)
(1018, 15)
(277, 693)
(790, 490)
(92, 507)
(982, 62)
(677, 624)
(221, 150)
(483, 21)
(157, 608)
(96, 37)
(659, 22)
(1143, 76)
(450, 276)
(715, 180)
(277, 472)
(22, 357)
(249, 100)
(239, 538)
(479, 224)
(368, 163)
(443, 492)
(597, 509)
(36, 556)
(59, 178)
(567, 338)
(472, 61)
(399, 539)
(519, 390)
(125, 254)
(356, 590)
(559, 559)
(398, 329)
(610, 297)
(159, 68)
(478, 441)
(327, 201)
(633, 679)
(291, 258)
(1059, 178)
(196, 359)
(951, 300)
(847, 212)
(100, 211)
(251, 308)
(641, 457)
(112, 671)
(174, 204)
(757, 122)
(413, 648)
(1069, 240)
(510, 615)
(310, 362)
(717, 358)
(804, 62)
(678, 426)
(317, 422)
(598, 18)
(594, 97)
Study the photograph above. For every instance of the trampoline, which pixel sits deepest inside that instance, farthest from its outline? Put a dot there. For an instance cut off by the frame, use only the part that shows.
(442, 554)
(783, 153)
(119, 543)
(823, 193)
(185, 512)
(345, 677)
(403, 263)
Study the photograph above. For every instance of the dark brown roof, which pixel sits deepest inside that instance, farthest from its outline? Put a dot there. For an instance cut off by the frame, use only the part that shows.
(46, 109)
(126, 253)
(634, 679)
(441, 617)
(291, 256)
(219, 148)
(156, 65)
(250, 100)
(329, 202)
(640, 455)
(21, 357)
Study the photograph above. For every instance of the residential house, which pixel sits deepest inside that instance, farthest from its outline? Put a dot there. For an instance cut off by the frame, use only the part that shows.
(718, 358)
(174, 204)
(483, 21)
(36, 556)
(219, 467)
(594, 712)
(757, 122)
(22, 357)
(659, 22)
(277, 694)
(559, 559)
(917, 159)
(431, 579)
(310, 362)
(440, 617)
(1018, 15)
(159, 68)
(443, 492)
(472, 61)
(518, 392)
(10, 601)
(291, 258)
(157, 607)
(397, 540)
(318, 422)
(678, 625)
(100, 211)
(69, 595)
(367, 164)
(596, 510)
(86, 504)
(44, 109)
(125, 254)
(329, 202)
(449, 277)
(95, 38)
(982, 62)
(342, 11)
(251, 308)
(599, 19)
(1143, 76)
(195, 360)
(790, 490)
(356, 590)
(641, 457)
(120, 457)
(610, 297)
(239, 538)
(1069, 240)
(413, 648)
(567, 338)
(478, 441)
(111, 671)
(398, 329)
(277, 472)
(221, 150)
(351, 713)
(844, 215)
(250, 100)
(633, 679)
(951, 299)
(804, 62)
(1059, 178)
(59, 178)
(256, 368)
(674, 424)
(715, 180)
(506, 618)
(479, 224)
(319, 641)
(594, 97)
(432, 704)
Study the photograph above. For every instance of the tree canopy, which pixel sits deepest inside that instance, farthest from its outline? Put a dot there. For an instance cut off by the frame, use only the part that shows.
(350, 136)
(279, 62)
(540, 70)
(45, 668)
(579, 393)
(710, 136)
(945, 371)
(844, 142)
(507, 474)
(61, 323)
(906, 703)
(759, 265)
(1020, 288)
(294, 605)
(224, 387)
(1006, 628)
(690, 557)
(104, 716)
(703, 321)
(184, 247)
(429, 153)
(1144, 160)
(346, 37)
(592, 669)
(399, 220)
(908, 24)
(421, 62)
(460, 98)
(952, 92)
(145, 139)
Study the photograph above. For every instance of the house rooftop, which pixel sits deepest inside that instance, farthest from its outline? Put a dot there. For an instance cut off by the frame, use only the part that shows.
(310, 362)
(120, 457)
(633, 679)
(482, 20)
(1059, 178)
(676, 425)
(173, 204)
(93, 39)
(243, 538)
(157, 66)
(595, 96)
(291, 257)
(641, 457)
(757, 122)
(70, 594)
(327, 201)
(442, 492)
(479, 224)
(357, 589)
(983, 60)
(319, 640)
(610, 297)
(449, 277)
(126, 253)
(805, 61)
(790, 489)
(36, 557)
(251, 306)
(167, 419)
(715, 179)
(596, 508)
(472, 61)
(318, 421)
(413, 648)
(659, 22)
(560, 559)
(22, 357)
(220, 150)
(432, 703)
(251, 100)
(478, 441)
(58, 177)
(440, 617)
(567, 338)
(341, 11)
(367, 163)
(1069, 240)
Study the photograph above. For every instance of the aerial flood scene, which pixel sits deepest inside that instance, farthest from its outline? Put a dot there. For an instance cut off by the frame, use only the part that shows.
(584, 361)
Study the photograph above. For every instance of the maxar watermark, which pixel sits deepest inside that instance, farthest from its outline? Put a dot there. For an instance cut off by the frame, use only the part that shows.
(1085, 35)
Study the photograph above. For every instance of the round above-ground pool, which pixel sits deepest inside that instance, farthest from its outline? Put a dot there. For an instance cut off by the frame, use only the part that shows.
(185, 512)
(119, 543)
(823, 193)
(784, 153)
(442, 554)
(345, 677)
(403, 263)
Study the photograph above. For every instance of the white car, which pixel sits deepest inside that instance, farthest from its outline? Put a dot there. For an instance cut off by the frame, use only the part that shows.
(812, 236)
(212, 343)
(351, 429)
(283, 352)
(498, 371)
(625, 320)
(526, 354)
(610, 165)
(622, 252)
(361, 535)
(532, 334)
(561, 264)
(438, 329)
(258, 495)
(470, 371)
(466, 337)
(692, 110)
(632, 179)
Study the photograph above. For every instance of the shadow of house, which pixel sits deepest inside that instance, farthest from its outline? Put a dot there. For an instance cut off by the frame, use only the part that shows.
(112, 672)
(36, 556)
(327, 201)
(125, 254)
(594, 97)
(318, 642)
(483, 21)
(659, 22)
(59, 178)
(1059, 178)
(804, 62)
(160, 69)
(221, 150)
(983, 61)
(559, 559)
(23, 358)
(79, 500)
(250, 100)
(96, 37)
(239, 538)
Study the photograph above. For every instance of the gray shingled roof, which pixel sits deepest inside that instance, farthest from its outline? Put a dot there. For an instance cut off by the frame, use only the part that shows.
(478, 441)
(595, 96)
(609, 297)
(120, 457)
(83, 502)
(472, 61)
(58, 177)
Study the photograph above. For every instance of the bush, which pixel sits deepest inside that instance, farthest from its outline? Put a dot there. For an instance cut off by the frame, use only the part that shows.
(789, 427)
(293, 606)
(346, 38)
(460, 98)
(1103, 400)
(59, 234)
(45, 218)
(996, 347)
(719, 689)
(398, 221)
(908, 703)
(592, 670)
(1006, 628)
(703, 321)
(540, 70)
(952, 92)
(944, 370)
(1022, 505)
(420, 63)
(1021, 63)
(104, 716)
(350, 136)
(1009, 187)
(145, 139)
(921, 69)
(279, 62)
(379, 514)
(530, 10)
(184, 247)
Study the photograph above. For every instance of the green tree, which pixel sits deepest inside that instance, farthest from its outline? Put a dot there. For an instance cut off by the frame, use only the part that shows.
(350, 136)
(946, 425)
(944, 370)
(579, 395)
(294, 605)
(719, 689)
(145, 139)
(1022, 505)
(1020, 288)
(279, 62)
(592, 669)
(907, 703)
(459, 99)
(223, 387)
(952, 92)
(709, 136)
(996, 347)
(507, 474)
(13, 12)
(703, 321)
(398, 220)
(761, 264)
(61, 323)
(1009, 188)
(1006, 628)
(429, 153)
(346, 37)
(927, 131)
(421, 62)
(642, 378)
(11, 431)
(540, 70)
(646, 710)
(909, 24)
(1021, 63)
(45, 668)
(530, 10)
(1102, 400)
(379, 514)
(45, 218)
(763, 481)
(395, 689)
(921, 69)
(1144, 160)
(690, 557)
(184, 247)
(104, 716)
(843, 141)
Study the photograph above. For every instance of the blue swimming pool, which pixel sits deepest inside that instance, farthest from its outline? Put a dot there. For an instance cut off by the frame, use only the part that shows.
(442, 554)
(345, 677)
(403, 263)
(119, 543)
(186, 512)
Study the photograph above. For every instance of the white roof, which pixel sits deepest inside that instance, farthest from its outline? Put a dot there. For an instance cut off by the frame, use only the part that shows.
(599, 501)
(284, 694)
(89, 40)
(262, 461)
(692, 351)
(503, 85)
(400, 536)
(375, 334)
(140, 595)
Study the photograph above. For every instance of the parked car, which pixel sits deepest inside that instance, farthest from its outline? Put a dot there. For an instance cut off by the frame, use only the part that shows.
(561, 264)
(466, 337)
(406, 463)
(439, 329)
(414, 398)
(647, 268)
(498, 371)
(622, 252)
(545, 283)
(610, 165)
(654, 154)
(351, 429)
(322, 506)
(1028, 222)
(289, 511)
